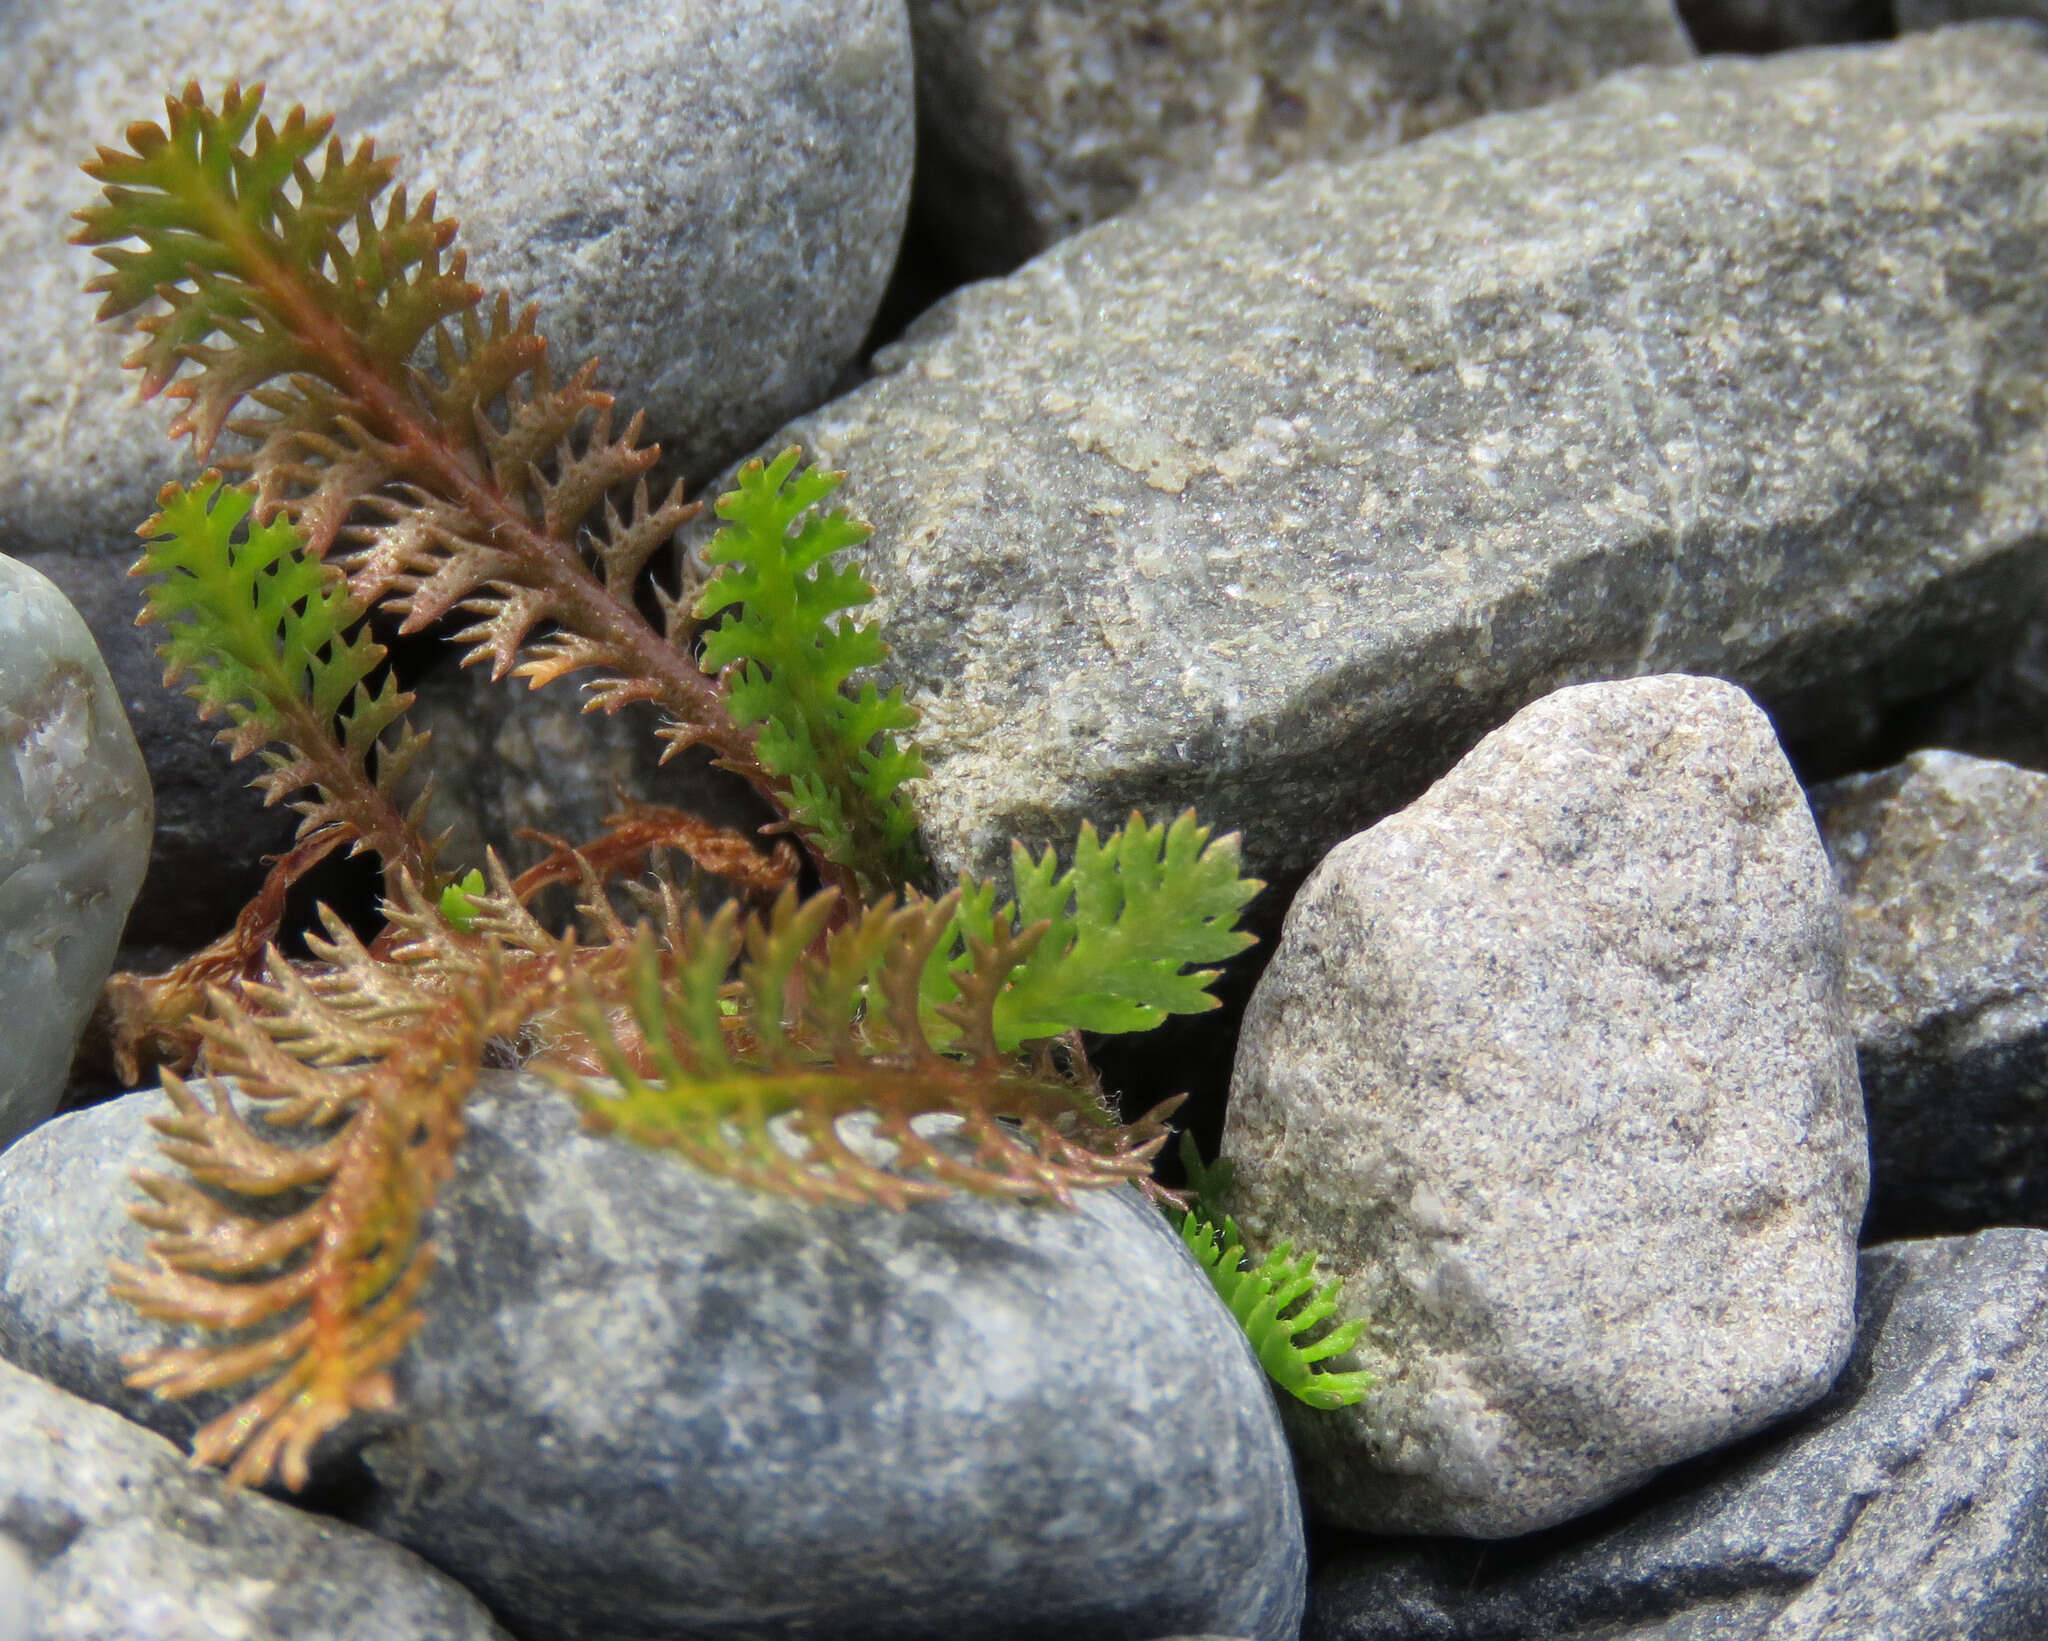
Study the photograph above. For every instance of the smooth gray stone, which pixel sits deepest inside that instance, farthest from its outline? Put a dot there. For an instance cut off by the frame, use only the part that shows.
(1036, 120)
(108, 1535)
(1273, 504)
(75, 823)
(1551, 1068)
(1943, 867)
(706, 194)
(647, 1402)
(1904, 1507)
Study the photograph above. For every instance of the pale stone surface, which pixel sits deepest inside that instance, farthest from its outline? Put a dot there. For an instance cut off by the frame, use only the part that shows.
(75, 820)
(1551, 1067)
(1274, 504)
(1943, 868)
(117, 1539)
(1037, 119)
(707, 194)
(1906, 1506)
(647, 1402)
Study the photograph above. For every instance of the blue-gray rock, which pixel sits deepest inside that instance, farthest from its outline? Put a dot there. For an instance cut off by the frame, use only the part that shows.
(1036, 120)
(647, 1402)
(112, 1537)
(1551, 1068)
(707, 195)
(1274, 503)
(1905, 1507)
(74, 838)
(1943, 867)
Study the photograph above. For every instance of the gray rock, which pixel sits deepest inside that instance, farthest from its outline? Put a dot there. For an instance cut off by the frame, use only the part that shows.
(1275, 504)
(707, 195)
(212, 829)
(1551, 1068)
(121, 1541)
(1781, 25)
(1943, 867)
(74, 838)
(1037, 120)
(648, 1402)
(1904, 1507)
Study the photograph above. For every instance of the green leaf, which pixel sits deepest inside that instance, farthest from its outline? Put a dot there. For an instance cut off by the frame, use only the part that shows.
(1277, 1303)
(789, 653)
(1122, 924)
(458, 902)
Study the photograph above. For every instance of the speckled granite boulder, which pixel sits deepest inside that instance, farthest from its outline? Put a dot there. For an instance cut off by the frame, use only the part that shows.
(1551, 1067)
(648, 1403)
(709, 196)
(1943, 866)
(1038, 119)
(1274, 504)
(119, 1540)
(1904, 1507)
(74, 838)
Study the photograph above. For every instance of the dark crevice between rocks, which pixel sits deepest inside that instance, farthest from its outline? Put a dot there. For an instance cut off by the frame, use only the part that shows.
(1756, 27)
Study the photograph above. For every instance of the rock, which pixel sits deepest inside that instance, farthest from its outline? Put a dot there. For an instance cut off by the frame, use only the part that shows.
(506, 758)
(649, 1402)
(74, 838)
(1781, 25)
(121, 1541)
(1037, 120)
(1943, 867)
(708, 196)
(1906, 1505)
(1551, 1068)
(212, 829)
(1275, 504)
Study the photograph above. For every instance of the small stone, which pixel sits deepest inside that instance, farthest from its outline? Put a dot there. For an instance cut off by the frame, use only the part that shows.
(1943, 867)
(1906, 1506)
(1273, 503)
(706, 197)
(116, 1539)
(651, 1402)
(1037, 120)
(1551, 1069)
(74, 838)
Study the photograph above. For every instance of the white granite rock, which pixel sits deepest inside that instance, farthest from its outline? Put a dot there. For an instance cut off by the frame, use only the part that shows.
(707, 194)
(1551, 1066)
(75, 818)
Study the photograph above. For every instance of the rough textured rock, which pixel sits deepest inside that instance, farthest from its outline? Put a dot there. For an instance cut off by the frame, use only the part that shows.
(1781, 25)
(1037, 120)
(74, 837)
(122, 1541)
(1904, 1507)
(1943, 867)
(1274, 504)
(647, 1402)
(212, 830)
(1551, 1067)
(709, 196)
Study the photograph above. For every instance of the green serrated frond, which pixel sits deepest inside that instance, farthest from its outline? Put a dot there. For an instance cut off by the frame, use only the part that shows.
(1122, 924)
(1277, 1303)
(751, 1073)
(263, 630)
(788, 652)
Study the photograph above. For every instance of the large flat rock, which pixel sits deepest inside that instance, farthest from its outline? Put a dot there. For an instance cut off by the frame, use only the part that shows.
(1276, 502)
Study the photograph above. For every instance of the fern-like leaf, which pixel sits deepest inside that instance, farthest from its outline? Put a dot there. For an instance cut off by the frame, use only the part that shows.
(273, 639)
(753, 1076)
(788, 652)
(1121, 925)
(295, 313)
(1277, 1302)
